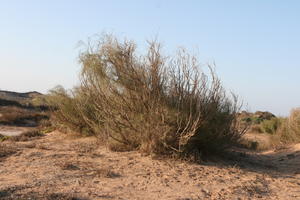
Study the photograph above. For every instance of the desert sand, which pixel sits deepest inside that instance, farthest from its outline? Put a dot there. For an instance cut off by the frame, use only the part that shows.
(59, 166)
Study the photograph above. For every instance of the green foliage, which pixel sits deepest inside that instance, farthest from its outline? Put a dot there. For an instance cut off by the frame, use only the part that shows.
(253, 120)
(271, 126)
(151, 103)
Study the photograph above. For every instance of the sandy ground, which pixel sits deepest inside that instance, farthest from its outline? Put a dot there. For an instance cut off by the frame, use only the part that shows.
(57, 166)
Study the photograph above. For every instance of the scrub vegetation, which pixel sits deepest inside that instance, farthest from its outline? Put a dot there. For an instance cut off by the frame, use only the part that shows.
(151, 103)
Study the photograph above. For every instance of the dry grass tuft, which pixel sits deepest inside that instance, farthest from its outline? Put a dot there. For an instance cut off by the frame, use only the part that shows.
(106, 173)
(69, 166)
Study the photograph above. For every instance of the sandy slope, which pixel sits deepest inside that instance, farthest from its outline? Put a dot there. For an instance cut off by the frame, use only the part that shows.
(57, 166)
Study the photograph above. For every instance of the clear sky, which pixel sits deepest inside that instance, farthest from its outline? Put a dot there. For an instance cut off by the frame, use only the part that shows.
(255, 44)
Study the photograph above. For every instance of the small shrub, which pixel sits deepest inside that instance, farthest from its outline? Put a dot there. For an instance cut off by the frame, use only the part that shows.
(271, 126)
(255, 144)
(152, 103)
(106, 173)
(256, 120)
(45, 126)
(69, 166)
(252, 120)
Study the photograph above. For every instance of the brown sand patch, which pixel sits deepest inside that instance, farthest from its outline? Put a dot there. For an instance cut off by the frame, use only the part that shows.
(59, 167)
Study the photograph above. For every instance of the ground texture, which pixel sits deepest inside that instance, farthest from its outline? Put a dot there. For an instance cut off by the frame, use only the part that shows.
(58, 166)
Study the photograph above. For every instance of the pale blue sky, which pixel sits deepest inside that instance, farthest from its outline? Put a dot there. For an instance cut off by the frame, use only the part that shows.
(255, 44)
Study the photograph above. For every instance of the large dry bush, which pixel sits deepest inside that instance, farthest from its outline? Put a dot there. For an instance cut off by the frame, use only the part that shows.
(150, 102)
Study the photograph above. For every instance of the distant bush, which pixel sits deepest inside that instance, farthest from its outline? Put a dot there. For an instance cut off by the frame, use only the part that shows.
(272, 125)
(150, 103)
(261, 122)
(256, 120)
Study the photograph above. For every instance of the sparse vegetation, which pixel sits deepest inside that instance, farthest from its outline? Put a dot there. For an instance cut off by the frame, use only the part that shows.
(272, 125)
(20, 118)
(289, 131)
(143, 121)
(151, 103)
(277, 131)
(12, 115)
